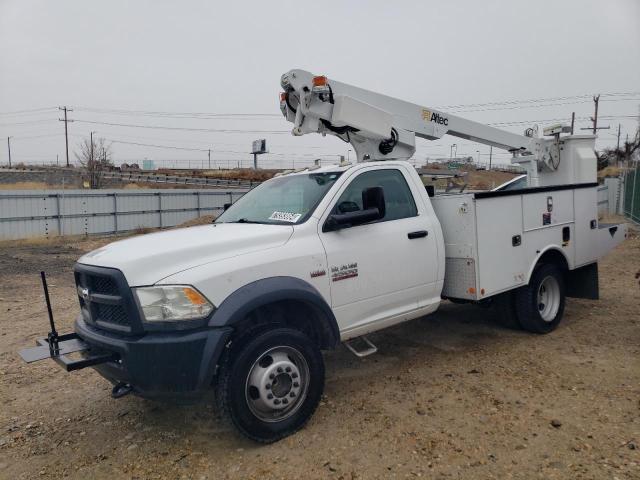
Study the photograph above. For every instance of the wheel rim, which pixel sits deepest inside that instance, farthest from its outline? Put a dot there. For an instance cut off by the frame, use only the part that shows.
(549, 298)
(277, 384)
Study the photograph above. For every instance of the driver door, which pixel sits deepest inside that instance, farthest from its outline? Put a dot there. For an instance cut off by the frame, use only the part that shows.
(385, 268)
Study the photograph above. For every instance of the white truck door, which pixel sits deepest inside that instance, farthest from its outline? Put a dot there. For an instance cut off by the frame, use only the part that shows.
(383, 269)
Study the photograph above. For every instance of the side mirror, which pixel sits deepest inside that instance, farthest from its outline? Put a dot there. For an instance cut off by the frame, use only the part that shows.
(373, 197)
(351, 219)
(226, 206)
(374, 209)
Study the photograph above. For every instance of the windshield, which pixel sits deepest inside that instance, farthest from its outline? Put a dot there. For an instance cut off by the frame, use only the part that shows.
(282, 200)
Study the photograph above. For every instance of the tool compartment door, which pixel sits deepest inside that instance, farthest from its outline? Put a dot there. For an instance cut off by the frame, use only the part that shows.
(586, 223)
(501, 244)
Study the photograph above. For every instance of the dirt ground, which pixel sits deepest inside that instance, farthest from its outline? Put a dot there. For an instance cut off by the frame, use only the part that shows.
(450, 396)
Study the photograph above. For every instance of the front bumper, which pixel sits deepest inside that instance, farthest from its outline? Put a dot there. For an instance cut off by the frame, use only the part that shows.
(176, 364)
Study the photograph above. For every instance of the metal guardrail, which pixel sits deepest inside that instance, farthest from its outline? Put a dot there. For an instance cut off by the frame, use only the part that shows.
(179, 180)
(38, 213)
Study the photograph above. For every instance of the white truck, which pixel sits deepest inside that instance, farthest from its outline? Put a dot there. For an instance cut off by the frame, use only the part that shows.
(324, 255)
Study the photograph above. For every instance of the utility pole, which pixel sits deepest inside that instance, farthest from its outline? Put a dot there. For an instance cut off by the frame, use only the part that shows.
(490, 155)
(209, 159)
(9, 147)
(594, 119)
(618, 145)
(66, 134)
(573, 121)
(91, 152)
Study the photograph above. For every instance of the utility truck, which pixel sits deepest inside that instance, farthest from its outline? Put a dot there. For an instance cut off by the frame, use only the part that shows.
(325, 255)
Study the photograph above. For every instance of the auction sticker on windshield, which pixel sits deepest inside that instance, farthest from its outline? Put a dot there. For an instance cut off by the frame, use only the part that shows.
(285, 217)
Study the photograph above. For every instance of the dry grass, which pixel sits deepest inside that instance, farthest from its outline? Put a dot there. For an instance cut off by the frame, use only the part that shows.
(235, 174)
(35, 186)
(610, 172)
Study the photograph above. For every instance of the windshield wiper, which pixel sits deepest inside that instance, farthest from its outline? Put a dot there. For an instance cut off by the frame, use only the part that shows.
(244, 220)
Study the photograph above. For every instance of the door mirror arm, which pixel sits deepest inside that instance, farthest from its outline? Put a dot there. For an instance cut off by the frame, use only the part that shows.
(338, 221)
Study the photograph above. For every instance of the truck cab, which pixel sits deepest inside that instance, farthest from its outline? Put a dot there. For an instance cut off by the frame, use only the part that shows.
(330, 253)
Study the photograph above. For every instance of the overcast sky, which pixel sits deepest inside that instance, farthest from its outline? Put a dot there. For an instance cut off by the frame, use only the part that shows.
(210, 57)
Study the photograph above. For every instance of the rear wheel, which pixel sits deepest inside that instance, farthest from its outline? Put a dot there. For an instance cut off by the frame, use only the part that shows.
(271, 383)
(540, 305)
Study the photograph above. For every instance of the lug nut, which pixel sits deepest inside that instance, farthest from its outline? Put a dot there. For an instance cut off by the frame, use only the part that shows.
(272, 376)
(279, 369)
(276, 401)
(296, 384)
(267, 386)
(270, 396)
(288, 369)
(285, 401)
(294, 375)
(292, 394)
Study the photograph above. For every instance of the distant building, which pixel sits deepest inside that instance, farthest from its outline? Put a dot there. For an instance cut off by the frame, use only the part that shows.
(148, 165)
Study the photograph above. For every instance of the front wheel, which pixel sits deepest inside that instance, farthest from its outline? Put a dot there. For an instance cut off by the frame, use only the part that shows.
(540, 304)
(271, 383)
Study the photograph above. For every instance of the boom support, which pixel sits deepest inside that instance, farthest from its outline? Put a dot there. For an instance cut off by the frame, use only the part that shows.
(380, 127)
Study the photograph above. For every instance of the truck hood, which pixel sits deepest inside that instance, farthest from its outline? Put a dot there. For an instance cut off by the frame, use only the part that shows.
(147, 259)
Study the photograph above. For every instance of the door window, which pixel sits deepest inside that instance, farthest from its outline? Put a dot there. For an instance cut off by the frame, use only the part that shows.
(397, 195)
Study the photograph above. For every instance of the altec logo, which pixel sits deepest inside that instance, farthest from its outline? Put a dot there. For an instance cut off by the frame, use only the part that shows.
(434, 117)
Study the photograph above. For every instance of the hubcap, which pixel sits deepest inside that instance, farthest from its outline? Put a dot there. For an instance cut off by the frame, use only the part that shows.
(277, 384)
(549, 298)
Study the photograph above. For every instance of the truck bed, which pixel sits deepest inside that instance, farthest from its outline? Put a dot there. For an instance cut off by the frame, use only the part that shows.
(493, 240)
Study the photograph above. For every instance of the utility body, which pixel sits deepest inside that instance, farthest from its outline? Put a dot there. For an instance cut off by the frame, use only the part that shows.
(324, 255)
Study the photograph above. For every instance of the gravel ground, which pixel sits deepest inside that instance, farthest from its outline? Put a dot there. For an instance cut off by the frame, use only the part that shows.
(450, 396)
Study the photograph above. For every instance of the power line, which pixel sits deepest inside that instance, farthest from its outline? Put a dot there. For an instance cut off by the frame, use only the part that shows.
(28, 112)
(544, 105)
(537, 100)
(28, 122)
(187, 129)
(194, 115)
(35, 136)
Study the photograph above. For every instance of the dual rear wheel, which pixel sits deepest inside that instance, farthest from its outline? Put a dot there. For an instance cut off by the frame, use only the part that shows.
(537, 307)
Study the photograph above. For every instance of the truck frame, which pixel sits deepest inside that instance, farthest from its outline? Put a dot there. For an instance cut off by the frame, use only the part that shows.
(325, 255)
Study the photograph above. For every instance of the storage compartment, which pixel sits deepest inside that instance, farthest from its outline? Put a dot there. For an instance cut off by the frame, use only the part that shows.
(493, 240)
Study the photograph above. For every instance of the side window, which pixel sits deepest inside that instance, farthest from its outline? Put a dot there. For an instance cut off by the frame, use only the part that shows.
(397, 195)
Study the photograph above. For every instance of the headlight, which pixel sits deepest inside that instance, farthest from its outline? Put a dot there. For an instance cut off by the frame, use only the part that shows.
(165, 303)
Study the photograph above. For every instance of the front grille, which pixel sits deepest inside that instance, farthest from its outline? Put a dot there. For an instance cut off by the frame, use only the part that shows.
(103, 285)
(111, 314)
(106, 300)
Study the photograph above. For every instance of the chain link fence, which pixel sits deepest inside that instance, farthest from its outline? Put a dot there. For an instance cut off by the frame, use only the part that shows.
(632, 194)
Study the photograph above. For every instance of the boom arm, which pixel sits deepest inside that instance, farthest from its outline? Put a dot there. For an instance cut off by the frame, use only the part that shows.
(378, 126)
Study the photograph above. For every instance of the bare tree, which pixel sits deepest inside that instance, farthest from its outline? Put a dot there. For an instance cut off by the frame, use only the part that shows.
(95, 157)
(624, 154)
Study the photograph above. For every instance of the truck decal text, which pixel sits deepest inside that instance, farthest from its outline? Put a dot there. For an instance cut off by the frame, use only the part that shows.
(344, 272)
(434, 117)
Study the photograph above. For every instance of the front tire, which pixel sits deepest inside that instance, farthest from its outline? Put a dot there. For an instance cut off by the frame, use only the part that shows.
(271, 383)
(540, 305)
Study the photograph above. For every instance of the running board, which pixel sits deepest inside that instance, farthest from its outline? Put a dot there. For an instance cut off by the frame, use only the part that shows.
(369, 349)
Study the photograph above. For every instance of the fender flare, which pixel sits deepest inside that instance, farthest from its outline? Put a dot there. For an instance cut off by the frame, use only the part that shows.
(247, 298)
(550, 248)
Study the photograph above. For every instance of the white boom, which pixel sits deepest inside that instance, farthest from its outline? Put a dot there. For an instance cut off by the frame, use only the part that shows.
(382, 128)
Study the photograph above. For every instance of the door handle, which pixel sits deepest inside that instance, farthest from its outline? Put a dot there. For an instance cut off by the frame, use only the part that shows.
(418, 234)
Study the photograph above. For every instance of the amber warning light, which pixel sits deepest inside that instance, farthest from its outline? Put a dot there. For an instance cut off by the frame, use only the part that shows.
(320, 81)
